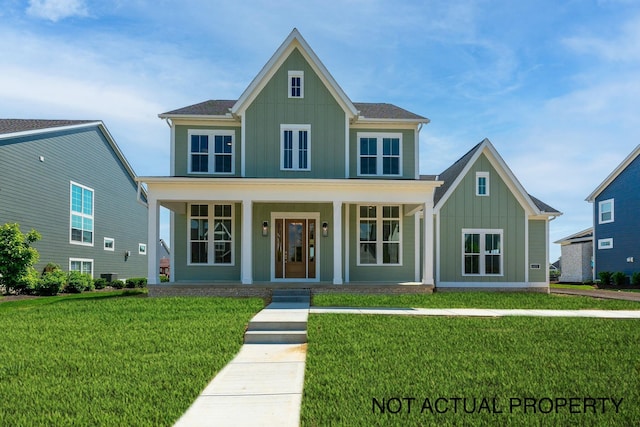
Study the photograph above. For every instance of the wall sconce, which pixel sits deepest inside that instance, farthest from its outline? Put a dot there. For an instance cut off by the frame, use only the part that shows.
(127, 254)
(265, 228)
(325, 229)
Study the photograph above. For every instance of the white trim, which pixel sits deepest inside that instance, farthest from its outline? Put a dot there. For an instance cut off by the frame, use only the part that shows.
(484, 175)
(337, 242)
(246, 248)
(379, 136)
(347, 146)
(438, 248)
(416, 151)
(243, 147)
(482, 232)
(295, 141)
(153, 235)
(416, 246)
(211, 154)
(506, 285)
(347, 257)
(295, 74)
(272, 243)
(605, 243)
(211, 242)
(172, 150)
(526, 248)
(379, 242)
(172, 240)
(82, 214)
(142, 251)
(600, 221)
(82, 260)
(113, 244)
(546, 251)
(427, 269)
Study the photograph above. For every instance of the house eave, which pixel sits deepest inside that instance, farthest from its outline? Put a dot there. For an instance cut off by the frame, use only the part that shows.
(49, 130)
(613, 175)
(367, 120)
(202, 117)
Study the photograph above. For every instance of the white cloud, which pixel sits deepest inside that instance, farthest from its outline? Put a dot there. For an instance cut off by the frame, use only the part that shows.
(55, 10)
(621, 47)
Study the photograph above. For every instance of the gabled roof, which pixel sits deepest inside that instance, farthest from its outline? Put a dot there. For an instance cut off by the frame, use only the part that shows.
(17, 128)
(370, 110)
(212, 108)
(613, 175)
(454, 174)
(293, 41)
(581, 236)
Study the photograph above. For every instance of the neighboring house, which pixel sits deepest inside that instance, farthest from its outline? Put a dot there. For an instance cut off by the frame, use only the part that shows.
(616, 202)
(294, 182)
(163, 256)
(576, 255)
(69, 180)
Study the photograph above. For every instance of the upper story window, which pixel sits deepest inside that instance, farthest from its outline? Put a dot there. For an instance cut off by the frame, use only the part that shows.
(482, 183)
(605, 211)
(296, 84)
(482, 252)
(379, 154)
(295, 147)
(81, 215)
(380, 240)
(211, 152)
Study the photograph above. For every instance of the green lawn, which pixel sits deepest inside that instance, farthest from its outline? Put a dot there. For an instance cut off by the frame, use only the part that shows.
(503, 300)
(568, 286)
(354, 359)
(100, 359)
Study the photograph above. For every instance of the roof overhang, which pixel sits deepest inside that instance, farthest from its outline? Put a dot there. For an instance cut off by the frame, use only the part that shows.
(613, 175)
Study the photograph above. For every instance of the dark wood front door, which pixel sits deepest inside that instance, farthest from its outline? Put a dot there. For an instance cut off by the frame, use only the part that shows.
(295, 248)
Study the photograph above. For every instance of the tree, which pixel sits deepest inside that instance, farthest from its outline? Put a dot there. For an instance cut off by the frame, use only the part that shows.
(16, 255)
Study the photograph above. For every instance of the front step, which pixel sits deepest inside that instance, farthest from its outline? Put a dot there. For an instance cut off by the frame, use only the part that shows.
(291, 295)
(277, 326)
(275, 337)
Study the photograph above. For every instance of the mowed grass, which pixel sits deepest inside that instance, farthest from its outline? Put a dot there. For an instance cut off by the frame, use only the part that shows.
(109, 360)
(500, 300)
(353, 359)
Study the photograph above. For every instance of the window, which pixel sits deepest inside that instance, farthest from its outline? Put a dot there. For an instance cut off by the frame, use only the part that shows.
(380, 238)
(379, 154)
(605, 243)
(296, 84)
(295, 147)
(211, 151)
(82, 265)
(142, 248)
(605, 211)
(482, 252)
(482, 183)
(81, 215)
(202, 249)
(109, 244)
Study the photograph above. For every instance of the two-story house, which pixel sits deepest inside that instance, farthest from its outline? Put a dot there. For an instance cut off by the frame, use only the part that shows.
(616, 228)
(294, 182)
(69, 180)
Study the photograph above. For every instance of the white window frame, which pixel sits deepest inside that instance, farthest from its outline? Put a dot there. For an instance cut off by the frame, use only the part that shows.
(295, 156)
(482, 264)
(484, 175)
(211, 153)
(379, 242)
(82, 261)
(82, 214)
(605, 243)
(142, 248)
(211, 218)
(380, 136)
(291, 75)
(600, 205)
(113, 244)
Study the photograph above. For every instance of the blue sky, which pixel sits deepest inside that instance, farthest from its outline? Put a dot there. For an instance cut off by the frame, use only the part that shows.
(553, 84)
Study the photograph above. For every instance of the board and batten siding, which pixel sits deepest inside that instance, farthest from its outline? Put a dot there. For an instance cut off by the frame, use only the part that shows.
(408, 152)
(318, 108)
(499, 210)
(182, 149)
(36, 194)
(538, 250)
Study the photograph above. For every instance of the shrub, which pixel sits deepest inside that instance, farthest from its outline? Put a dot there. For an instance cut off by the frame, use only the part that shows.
(28, 282)
(78, 282)
(136, 282)
(51, 267)
(100, 283)
(117, 284)
(635, 278)
(164, 278)
(52, 283)
(619, 278)
(16, 255)
(605, 277)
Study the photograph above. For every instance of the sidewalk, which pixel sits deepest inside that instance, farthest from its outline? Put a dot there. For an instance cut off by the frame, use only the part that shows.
(600, 293)
(479, 312)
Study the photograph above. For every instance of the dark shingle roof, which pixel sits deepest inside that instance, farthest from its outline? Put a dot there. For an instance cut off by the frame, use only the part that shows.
(23, 125)
(543, 206)
(452, 172)
(221, 107)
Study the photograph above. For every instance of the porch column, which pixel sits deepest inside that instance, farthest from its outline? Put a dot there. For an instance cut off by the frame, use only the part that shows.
(246, 275)
(337, 243)
(153, 237)
(427, 262)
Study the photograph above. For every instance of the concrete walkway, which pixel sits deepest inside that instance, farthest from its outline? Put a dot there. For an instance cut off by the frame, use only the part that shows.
(600, 293)
(478, 312)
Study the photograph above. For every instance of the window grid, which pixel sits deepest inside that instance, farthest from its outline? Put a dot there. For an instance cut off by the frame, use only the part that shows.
(203, 250)
(81, 215)
(379, 241)
(211, 151)
(482, 183)
(295, 147)
(296, 84)
(379, 154)
(84, 266)
(605, 211)
(482, 253)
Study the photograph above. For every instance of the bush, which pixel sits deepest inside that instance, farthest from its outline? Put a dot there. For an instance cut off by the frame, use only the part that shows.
(619, 278)
(136, 282)
(164, 278)
(52, 283)
(51, 267)
(635, 278)
(117, 284)
(78, 282)
(16, 256)
(100, 283)
(605, 277)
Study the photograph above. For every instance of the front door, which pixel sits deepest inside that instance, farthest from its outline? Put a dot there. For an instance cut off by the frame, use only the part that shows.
(295, 248)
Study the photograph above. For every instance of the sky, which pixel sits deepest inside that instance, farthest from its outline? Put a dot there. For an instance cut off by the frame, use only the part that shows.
(554, 84)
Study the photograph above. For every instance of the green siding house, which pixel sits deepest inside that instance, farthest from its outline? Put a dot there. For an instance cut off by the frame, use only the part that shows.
(69, 180)
(294, 182)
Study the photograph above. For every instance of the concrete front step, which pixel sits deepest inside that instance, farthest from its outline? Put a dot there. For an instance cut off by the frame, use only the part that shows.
(291, 298)
(277, 325)
(275, 337)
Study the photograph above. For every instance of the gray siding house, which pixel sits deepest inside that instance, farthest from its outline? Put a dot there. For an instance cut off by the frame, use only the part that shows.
(69, 180)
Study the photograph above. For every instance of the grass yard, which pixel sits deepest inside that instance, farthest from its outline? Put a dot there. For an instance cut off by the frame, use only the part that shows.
(101, 359)
(354, 359)
(568, 286)
(504, 300)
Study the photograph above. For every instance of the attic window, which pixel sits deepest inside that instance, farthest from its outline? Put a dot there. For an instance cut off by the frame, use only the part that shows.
(482, 183)
(296, 84)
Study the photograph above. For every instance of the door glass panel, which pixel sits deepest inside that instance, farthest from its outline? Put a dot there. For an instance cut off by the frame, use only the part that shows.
(295, 249)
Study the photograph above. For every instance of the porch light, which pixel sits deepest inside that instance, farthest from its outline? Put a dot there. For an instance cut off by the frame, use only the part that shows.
(325, 229)
(265, 228)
